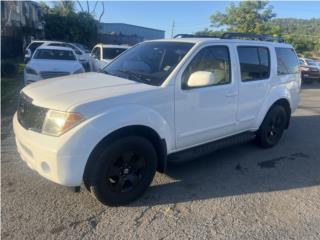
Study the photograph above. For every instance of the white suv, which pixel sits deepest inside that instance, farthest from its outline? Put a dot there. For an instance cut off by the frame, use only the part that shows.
(103, 54)
(162, 100)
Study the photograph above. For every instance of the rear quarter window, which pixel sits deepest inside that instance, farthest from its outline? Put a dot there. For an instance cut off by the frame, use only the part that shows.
(287, 61)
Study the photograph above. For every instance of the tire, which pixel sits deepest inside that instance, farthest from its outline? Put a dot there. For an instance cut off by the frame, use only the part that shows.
(123, 171)
(272, 127)
(307, 80)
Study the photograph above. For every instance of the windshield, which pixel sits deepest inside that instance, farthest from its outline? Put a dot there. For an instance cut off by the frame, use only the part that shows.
(82, 47)
(149, 62)
(111, 53)
(54, 54)
(33, 46)
(311, 63)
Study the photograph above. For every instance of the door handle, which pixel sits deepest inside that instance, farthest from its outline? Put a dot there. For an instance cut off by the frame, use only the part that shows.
(231, 94)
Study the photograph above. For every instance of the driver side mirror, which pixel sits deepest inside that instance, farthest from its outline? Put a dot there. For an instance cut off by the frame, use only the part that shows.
(201, 79)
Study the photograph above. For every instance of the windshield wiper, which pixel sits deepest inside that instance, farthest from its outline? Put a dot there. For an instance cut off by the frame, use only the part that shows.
(134, 76)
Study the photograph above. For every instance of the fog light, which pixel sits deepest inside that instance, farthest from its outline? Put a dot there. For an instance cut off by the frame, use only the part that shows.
(45, 167)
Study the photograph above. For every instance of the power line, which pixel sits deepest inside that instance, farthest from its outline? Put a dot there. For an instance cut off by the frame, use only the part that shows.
(172, 28)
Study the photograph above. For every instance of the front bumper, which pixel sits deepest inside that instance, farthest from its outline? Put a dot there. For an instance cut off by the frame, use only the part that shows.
(310, 75)
(55, 158)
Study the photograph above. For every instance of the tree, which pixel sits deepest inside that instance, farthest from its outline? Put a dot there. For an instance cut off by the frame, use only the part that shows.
(64, 8)
(64, 24)
(92, 12)
(208, 32)
(246, 16)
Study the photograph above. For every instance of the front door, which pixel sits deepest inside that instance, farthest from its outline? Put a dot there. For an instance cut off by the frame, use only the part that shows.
(206, 113)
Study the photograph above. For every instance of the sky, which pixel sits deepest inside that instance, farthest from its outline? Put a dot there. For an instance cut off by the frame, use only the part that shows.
(188, 16)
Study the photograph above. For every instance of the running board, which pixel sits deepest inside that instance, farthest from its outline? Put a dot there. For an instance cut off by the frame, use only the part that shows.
(202, 150)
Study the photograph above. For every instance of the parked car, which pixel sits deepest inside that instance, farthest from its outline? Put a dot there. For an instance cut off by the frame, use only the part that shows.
(49, 62)
(82, 53)
(310, 70)
(160, 101)
(32, 47)
(103, 54)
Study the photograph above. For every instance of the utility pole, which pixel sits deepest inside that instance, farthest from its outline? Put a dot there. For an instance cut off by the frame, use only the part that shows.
(172, 28)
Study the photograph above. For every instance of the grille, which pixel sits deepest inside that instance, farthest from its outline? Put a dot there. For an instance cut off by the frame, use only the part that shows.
(30, 116)
(50, 74)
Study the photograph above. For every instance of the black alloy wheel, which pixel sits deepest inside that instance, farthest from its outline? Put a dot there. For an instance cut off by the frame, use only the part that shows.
(122, 170)
(272, 127)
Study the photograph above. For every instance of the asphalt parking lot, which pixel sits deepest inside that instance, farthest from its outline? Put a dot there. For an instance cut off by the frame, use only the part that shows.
(242, 192)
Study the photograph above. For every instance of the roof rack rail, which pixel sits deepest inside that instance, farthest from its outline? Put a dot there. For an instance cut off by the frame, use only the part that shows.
(260, 37)
(236, 35)
(182, 35)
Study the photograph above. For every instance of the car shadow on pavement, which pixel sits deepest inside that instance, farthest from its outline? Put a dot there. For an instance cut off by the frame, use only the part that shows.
(313, 85)
(245, 169)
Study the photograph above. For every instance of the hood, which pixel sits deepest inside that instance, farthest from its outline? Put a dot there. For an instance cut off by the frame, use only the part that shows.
(65, 92)
(54, 65)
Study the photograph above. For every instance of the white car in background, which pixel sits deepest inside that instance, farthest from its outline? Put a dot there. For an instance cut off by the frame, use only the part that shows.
(32, 47)
(49, 62)
(103, 54)
(82, 53)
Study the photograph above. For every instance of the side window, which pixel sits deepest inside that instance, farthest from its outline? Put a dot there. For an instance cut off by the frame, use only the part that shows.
(287, 61)
(254, 63)
(214, 59)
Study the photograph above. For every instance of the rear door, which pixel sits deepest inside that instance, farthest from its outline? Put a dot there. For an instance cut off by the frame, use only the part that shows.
(254, 82)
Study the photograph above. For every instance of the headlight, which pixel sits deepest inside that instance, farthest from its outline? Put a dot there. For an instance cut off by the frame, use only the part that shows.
(80, 70)
(57, 123)
(31, 71)
(304, 69)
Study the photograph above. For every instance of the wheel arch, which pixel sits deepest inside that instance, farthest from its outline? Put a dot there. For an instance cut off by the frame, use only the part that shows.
(286, 105)
(133, 130)
(284, 102)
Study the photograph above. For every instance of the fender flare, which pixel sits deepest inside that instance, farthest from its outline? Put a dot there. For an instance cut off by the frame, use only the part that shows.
(132, 115)
(275, 95)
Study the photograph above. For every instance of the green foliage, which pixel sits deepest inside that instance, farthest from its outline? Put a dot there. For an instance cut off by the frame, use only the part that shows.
(64, 24)
(208, 32)
(64, 8)
(246, 16)
(303, 34)
(257, 17)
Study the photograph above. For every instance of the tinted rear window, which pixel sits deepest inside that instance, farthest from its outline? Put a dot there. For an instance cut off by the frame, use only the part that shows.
(53, 54)
(287, 61)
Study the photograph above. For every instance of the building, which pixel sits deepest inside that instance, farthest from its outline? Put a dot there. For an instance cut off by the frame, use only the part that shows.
(21, 21)
(122, 33)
